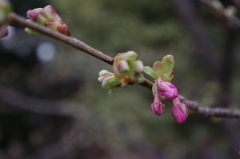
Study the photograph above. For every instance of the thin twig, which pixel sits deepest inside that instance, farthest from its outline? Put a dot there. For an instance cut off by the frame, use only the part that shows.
(32, 104)
(15, 19)
(204, 47)
(231, 21)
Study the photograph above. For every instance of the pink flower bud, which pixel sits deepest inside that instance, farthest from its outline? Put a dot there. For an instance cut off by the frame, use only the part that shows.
(51, 13)
(157, 106)
(48, 17)
(138, 66)
(31, 14)
(166, 89)
(36, 16)
(3, 31)
(123, 66)
(179, 111)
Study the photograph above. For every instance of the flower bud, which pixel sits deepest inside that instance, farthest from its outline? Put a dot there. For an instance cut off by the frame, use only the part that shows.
(5, 9)
(231, 11)
(105, 72)
(3, 31)
(50, 13)
(179, 111)
(130, 55)
(157, 106)
(109, 80)
(166, 89)
(48, 17)
(123, 66)
(138, 66)
(36, 16)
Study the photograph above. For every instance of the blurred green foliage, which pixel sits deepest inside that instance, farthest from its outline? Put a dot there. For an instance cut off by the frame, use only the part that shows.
(152, 29)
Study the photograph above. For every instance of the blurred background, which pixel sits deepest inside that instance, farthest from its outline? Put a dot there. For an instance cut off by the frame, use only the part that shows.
(53, 107)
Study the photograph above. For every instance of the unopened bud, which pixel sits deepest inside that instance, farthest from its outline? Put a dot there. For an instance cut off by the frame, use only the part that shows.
(179, 111)
(123, 66)
(138, 66)
(5, 9)
(166, 89)
(3, 31)
(157, 106)
(231, 11)
(130, 55)
(48, 17)
(36, 16)
(109, 82)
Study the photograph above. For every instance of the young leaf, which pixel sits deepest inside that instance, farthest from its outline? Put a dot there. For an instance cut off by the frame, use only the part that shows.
(168, 63)
(148, 70)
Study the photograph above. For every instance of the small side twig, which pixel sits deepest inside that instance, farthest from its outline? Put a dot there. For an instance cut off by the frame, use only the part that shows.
(231, 21)
(15, 19)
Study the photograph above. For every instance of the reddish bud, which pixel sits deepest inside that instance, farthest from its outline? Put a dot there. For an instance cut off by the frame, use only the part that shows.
(166, 89)
(179, 111)
(157, 106)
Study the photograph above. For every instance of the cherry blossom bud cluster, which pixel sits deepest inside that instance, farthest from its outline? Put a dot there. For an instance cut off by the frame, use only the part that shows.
(127, 70)
(47, 17)
(109, 81)
(169, 92)
(163, 89)
(5, 9)
(126, 64)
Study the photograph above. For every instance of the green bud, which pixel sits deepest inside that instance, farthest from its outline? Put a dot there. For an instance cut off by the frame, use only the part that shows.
(231, 11)
(130, 55)
(138, 66)
(105, 72)
(217, 4)
(5, 9)
(109, 82)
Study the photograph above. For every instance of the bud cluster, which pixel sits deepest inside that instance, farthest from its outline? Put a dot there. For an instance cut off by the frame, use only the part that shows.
(126, 64)
(127, 70)
(109, 80)
(162, 89)
(47, 17)
(5, 9)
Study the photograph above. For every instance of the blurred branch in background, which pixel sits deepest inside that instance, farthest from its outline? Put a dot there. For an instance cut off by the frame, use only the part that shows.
(74, 118)
(230, 20)
(32, 104)
(226, 67)
(204, 46)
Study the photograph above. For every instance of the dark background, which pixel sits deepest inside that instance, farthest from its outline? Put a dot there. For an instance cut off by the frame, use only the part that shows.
(53, 107)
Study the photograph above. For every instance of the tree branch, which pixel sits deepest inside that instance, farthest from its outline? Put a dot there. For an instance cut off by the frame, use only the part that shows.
(32, 104)
(205, 49)
(210, 112)
(15, 19)
(231, 21)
